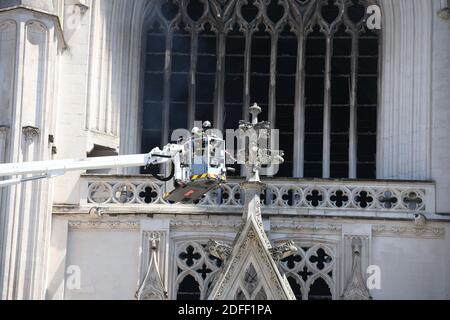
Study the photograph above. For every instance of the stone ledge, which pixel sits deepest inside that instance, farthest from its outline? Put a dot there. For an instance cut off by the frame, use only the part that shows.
(196, 211)
(133, 223)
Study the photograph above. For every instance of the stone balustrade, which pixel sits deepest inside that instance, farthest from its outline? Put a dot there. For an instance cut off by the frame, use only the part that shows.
(285, 195)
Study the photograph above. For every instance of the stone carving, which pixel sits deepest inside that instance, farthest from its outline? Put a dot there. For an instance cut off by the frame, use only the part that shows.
(283, 251)
(419, 220)
(152, 287)
(407, 231)
(30, 133)
(196, 224)
(218, 249)
(305, 227)
(4, 130)
(82, 5)
(356, 287)
(78, 225)
(251, 246)
(444, 14)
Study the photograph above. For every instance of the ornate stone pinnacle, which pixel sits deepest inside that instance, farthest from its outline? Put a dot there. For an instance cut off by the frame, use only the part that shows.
(256, 154)
(152, 287)
(356, 287)
(251, 239)
(255, 110)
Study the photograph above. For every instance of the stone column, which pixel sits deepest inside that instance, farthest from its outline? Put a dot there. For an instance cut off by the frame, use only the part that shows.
(3, 136)
(3, 192)
(30, 43)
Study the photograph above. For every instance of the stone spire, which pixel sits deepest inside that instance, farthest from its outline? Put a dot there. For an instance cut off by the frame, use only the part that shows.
(356, 288)
(32, 32)
(152, 287)
(250, 269)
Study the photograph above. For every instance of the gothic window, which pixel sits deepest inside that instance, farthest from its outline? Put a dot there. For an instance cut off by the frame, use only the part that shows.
(311, 272)
(188, 289)
(250, 286)
(312, 65)
(295, 288)
(195, 271)
(319, 290)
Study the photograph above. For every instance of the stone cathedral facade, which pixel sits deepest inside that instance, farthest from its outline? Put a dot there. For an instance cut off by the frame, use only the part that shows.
(364, 118)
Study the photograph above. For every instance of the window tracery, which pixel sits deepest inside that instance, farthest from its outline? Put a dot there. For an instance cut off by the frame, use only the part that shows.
(250, 286)
(311, 65)
(311, 272)
(195, 270)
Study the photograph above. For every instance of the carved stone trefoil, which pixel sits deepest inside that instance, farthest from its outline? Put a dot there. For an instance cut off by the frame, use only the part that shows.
(152, 287)
(356, 287)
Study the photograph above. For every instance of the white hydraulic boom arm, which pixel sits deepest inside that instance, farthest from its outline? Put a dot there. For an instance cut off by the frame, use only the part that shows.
(55, 168)
(198, 166)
